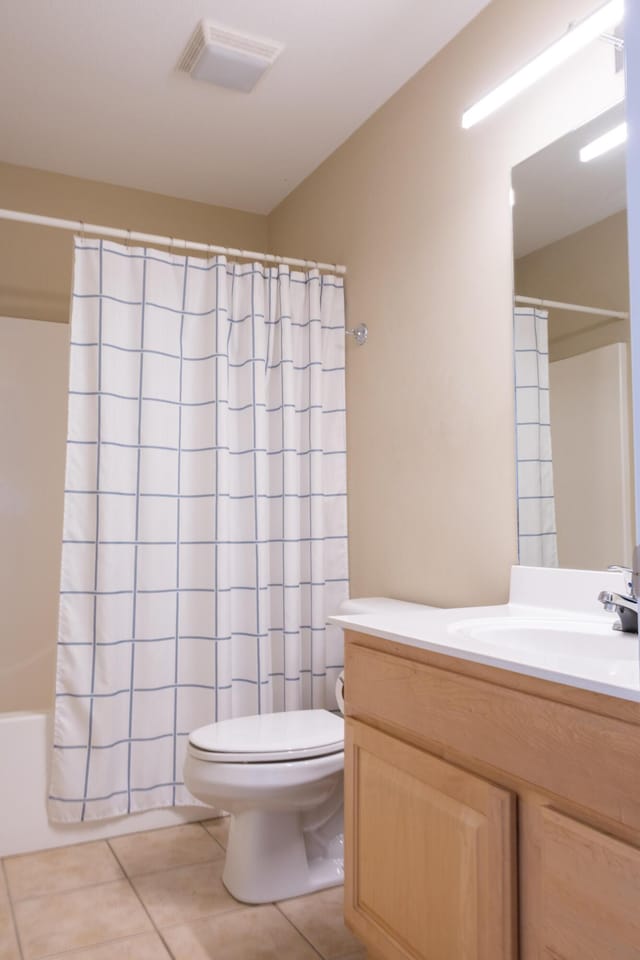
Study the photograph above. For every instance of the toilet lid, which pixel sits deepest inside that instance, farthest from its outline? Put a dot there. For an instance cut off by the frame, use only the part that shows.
(294, 735)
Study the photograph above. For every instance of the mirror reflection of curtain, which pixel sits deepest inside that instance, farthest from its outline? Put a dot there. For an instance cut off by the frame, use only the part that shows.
(537, 541)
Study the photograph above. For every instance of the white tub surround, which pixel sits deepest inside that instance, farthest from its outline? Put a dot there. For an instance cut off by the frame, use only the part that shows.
(25, 739)
(553, 627)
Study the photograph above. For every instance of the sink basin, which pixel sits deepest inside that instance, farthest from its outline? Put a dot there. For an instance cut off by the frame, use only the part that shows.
(552, 642)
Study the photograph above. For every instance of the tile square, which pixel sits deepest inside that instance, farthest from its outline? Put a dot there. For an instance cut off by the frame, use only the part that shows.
(147, 946)
(79, 918)
(156, 850)
(253, 933)
(184, 894)
(320, 919)
(64, 868)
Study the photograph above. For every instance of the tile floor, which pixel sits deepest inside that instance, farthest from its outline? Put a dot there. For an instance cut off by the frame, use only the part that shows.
(153, 896)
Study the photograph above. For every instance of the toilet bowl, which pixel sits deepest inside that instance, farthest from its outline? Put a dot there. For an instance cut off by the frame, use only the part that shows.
(279, 776)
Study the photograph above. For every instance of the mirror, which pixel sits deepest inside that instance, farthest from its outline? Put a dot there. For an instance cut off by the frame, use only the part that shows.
(572, 354)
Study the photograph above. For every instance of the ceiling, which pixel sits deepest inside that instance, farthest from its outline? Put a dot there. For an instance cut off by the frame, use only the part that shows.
(557, 195)
(90, 88)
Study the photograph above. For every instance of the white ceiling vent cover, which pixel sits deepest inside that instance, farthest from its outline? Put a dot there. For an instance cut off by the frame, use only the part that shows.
(218, 55)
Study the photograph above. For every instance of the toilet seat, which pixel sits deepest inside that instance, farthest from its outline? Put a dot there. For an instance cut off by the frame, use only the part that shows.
(270, 737)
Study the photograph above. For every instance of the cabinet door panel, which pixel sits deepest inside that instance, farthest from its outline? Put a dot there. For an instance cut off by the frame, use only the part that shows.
(430, 854)
(589, 893)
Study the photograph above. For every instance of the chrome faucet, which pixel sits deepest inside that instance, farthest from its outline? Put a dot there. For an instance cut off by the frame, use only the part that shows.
(625, 605)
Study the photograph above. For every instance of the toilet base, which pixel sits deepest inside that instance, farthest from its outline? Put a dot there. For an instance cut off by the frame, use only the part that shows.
(275, 856)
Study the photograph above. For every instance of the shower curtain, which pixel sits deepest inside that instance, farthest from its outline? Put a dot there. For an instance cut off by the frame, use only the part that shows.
(537, 541)
(204, 538)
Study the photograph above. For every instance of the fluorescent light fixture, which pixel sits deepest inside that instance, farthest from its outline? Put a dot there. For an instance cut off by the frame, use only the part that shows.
(604, 20)
(604, 143)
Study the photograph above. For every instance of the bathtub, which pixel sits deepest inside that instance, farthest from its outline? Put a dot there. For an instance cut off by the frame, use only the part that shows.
(24, 827)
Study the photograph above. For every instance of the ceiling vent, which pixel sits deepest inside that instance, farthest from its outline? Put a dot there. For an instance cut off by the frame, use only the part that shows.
(229, 59)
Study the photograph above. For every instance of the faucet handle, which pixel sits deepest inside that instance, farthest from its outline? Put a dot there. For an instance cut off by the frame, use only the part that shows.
(628, 573)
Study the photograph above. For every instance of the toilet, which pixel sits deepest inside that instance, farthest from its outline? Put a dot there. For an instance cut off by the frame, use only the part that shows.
(279, 776)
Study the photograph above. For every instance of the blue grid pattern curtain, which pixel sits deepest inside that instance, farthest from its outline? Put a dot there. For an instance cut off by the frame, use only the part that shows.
(537, 540)
(205, 537)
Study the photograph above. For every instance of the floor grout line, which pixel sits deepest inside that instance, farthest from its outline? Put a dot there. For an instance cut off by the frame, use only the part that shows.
(289, 921)
(59, 893)
(151, 873)
(92, 946)
(11, 909)
(144, 907)
(212, 836)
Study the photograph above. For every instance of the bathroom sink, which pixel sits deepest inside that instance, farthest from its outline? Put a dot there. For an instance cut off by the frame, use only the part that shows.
(553, 639)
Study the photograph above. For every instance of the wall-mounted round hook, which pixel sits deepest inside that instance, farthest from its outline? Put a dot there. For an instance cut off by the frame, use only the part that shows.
(360, 333)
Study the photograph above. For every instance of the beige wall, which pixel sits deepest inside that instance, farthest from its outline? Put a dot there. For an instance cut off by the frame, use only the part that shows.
(36, 262)
(590, 267)
(34, 359)
(419, 211)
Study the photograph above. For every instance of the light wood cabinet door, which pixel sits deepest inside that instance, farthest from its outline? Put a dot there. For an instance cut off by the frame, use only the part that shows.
(430, 854)
(587, 890)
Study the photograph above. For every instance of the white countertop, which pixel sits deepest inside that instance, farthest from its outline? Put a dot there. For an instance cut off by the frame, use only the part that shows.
(595, 657)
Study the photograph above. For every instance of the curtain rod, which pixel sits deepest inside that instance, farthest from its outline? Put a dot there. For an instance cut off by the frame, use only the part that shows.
(131, 236)
(574, 307)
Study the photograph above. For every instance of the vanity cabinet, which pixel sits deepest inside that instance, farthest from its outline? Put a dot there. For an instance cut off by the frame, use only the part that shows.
(432, 854)
(588, 887)
(488, 815)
